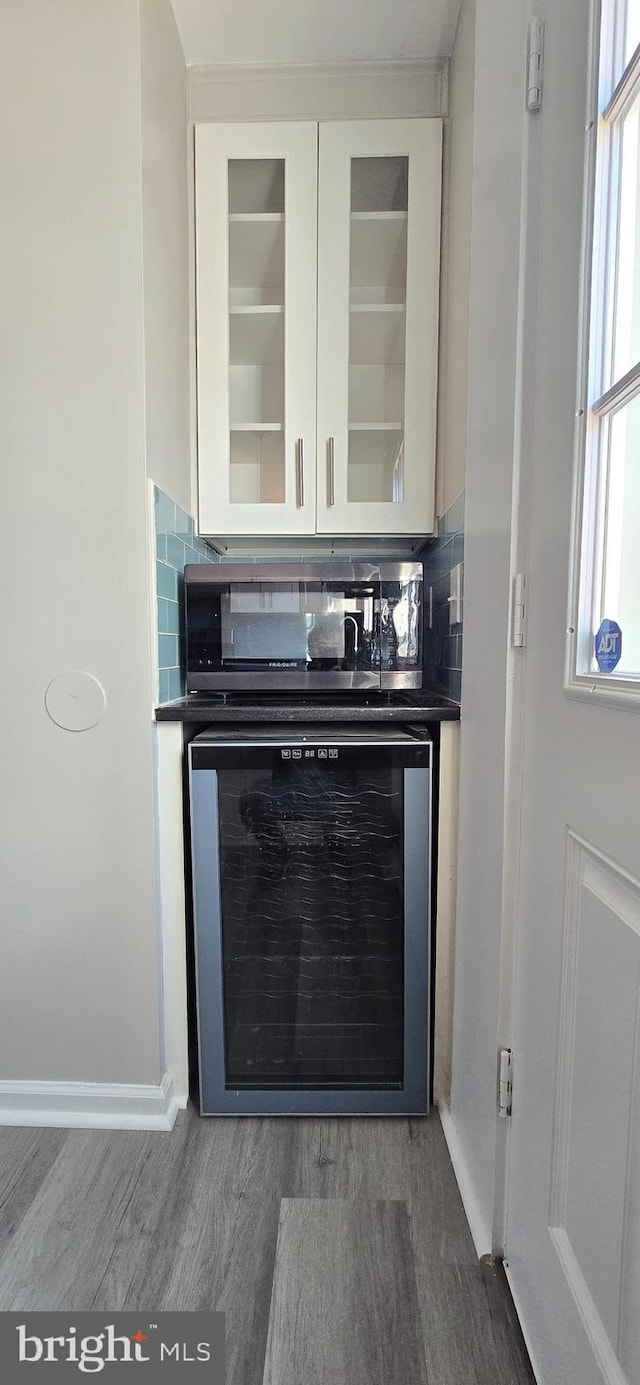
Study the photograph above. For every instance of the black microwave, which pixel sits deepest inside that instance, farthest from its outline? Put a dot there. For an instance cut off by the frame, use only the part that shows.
(306, 626)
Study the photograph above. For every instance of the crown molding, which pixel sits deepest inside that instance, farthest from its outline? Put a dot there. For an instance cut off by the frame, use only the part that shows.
(294, 71)
(314, 91)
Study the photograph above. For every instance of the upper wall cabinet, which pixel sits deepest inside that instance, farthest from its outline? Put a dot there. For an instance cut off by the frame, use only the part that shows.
(317, 322)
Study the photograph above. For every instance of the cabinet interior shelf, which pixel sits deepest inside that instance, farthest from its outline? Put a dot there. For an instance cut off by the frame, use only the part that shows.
(375, 427)
(379, 216)
(256, 427)
(261, 218)
(255, 309)
(377, 308)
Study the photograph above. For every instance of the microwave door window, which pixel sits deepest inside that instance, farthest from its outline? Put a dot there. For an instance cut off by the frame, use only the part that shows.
(264, 626)
(306, 626)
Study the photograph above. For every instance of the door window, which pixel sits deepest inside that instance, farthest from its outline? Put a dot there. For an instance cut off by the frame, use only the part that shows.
(605, 626)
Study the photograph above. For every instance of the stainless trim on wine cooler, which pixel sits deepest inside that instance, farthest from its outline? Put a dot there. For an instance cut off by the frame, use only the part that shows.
(216, 1097)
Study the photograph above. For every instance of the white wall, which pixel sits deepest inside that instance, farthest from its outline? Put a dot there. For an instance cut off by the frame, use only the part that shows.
(453, 371)
(166, 253)
(168, 449)
(491, 445)
(78, 983)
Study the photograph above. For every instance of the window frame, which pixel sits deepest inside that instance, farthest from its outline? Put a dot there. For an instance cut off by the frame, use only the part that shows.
(608, 101)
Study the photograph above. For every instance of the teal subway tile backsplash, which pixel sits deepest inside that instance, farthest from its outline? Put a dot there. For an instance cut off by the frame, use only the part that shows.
(176, 683)
(168, 653)
(175, 552)
(167, 581)
(165, 512)
(163, 685)
(443, 641)
(162, 616)
(176, 544)
(184, 526)
(172, 619)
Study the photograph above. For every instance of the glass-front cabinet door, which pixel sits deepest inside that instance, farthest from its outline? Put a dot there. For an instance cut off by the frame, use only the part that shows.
(378, 289)
(256, 202)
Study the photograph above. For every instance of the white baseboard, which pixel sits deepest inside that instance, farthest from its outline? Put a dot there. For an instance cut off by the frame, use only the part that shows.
(89, 1105)
(479, 1230)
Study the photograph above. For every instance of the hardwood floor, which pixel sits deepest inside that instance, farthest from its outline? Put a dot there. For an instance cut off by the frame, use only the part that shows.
(375, 1277)
(344, 1304)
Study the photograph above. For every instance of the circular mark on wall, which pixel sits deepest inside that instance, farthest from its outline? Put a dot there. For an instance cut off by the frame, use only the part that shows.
(75, 701)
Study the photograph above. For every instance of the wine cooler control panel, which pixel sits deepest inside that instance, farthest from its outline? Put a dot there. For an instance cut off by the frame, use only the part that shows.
(310, 752)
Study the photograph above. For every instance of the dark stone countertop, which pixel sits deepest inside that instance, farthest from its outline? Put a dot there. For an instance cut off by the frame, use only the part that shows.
(408, 706)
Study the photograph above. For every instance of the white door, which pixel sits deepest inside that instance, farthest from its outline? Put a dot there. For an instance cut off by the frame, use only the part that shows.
(378, 284)
(573, 1213)
(256, 263)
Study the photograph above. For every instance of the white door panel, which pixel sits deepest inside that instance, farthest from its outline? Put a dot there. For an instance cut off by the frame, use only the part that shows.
(573, 1215)
(573, 1247)
(597, 1079)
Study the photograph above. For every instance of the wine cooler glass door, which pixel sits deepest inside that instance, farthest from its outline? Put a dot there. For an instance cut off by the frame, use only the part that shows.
(311, 884)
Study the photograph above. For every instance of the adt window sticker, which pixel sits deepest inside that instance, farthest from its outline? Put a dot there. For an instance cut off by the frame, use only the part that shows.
(168, 1347)
(608, 646)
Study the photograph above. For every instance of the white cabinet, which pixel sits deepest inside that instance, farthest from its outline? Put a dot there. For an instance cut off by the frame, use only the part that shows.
(317, 271)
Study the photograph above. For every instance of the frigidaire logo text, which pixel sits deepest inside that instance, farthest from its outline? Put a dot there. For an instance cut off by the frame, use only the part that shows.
(93, 1353)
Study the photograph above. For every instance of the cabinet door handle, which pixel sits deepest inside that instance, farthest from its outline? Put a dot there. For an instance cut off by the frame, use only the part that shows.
(299, 473)
(331, 494)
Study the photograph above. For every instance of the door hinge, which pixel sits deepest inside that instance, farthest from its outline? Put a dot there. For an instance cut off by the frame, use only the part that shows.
(519, 612)
(535, 58)
(505, 1082)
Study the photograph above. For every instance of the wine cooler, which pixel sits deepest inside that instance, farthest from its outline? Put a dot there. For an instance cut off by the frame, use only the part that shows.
(311, 851)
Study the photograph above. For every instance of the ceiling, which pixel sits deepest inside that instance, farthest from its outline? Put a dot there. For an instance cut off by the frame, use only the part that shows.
(315, 31)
